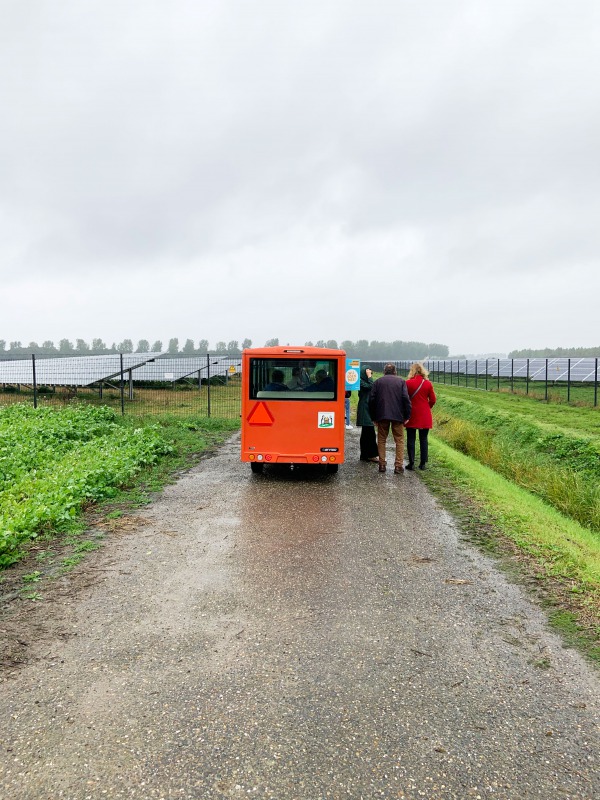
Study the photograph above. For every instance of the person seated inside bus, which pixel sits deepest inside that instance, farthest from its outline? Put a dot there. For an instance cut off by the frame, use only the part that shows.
(277, 384)
(295, 384)
(323, 382)
(299, 380)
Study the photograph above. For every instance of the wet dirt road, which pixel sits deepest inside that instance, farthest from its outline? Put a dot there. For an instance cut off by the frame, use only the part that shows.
(290, 636)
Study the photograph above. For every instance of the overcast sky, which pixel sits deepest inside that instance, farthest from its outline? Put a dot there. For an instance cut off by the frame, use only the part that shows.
(324, 169)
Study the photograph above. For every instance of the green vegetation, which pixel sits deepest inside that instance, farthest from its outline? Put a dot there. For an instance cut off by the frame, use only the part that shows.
(523, 477)
(561, 465)
(54, 462)
(181, 399)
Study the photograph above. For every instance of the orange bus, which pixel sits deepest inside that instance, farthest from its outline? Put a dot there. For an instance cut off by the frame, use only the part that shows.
(293, 406)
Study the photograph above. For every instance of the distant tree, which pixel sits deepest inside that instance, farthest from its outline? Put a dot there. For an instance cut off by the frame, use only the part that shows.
(126, 346)
(203, 346)
(2, 345)
(33, 347)
(438, 350)
(348, 346)
(81, 346)
(221, 348)
(188, 348)
(65, 346)
(48, 346)
(15, 346)
(272, 343)
(332, 344)
(557, 352)
(321, 343)
(173, 347)
(143, 346)
(157, 346)
(246, 344)
(233, 348)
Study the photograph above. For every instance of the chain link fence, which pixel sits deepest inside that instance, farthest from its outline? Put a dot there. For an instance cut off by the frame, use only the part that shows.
(133, 383)
(210, 385)
(559, 380)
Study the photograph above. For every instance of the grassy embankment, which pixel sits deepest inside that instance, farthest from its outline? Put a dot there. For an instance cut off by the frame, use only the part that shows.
(524, 478)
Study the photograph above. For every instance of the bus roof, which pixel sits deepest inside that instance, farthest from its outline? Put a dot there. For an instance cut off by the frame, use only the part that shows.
(289, 350)
(298, 352)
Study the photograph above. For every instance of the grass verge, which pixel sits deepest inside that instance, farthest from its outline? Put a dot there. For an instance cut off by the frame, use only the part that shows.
(553, 460)
(554, 554)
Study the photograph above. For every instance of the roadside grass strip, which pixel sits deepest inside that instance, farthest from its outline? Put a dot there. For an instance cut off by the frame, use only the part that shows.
(53, 461)
(560, 465)
(562, 550)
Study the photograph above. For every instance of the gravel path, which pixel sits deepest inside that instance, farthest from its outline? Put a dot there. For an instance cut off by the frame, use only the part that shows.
(291, 636)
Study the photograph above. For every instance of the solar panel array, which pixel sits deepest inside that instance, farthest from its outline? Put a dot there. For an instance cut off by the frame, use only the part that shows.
(580, 370)
(91, 370)
(174, 369)
(71, 371)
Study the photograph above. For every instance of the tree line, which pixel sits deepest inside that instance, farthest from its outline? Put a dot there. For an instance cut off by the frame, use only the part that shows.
(363, 349)
(558, 352)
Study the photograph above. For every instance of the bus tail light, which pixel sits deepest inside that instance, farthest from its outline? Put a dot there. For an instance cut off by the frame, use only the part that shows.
(315, 458)
(268, 458)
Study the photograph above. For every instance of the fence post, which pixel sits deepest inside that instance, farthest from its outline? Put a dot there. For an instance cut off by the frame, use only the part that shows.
(546, 379)
(527, 379)
(512, 375)
(568, 380)
(596, 384)
(486, 374)
(208, 380)
(498, 375)
(34, 380)
(122, 386)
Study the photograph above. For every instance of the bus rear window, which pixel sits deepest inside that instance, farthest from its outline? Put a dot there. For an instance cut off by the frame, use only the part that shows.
(293, 379)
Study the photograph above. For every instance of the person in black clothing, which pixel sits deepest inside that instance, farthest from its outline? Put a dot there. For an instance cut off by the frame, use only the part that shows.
(323, 382)
(368, 441)
(277, 384)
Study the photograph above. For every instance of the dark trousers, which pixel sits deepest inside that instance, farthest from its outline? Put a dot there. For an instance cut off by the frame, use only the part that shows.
(411, 438)
(368, 443)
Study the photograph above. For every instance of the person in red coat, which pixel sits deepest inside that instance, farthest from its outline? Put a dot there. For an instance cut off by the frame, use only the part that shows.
(422, 398)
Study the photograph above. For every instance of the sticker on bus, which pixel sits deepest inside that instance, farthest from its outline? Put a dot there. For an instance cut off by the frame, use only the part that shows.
(326, 419)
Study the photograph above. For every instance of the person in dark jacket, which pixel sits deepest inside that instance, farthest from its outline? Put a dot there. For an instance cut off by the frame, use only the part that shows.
(323, 382)
(422, 397)
(277, 384)
(389, 405)
(368, 442)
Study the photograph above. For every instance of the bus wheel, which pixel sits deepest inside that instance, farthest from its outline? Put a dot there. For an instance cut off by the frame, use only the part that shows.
(332, 468)
(256, 468)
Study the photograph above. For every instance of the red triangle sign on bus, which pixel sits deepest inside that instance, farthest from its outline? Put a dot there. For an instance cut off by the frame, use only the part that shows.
(260, 415)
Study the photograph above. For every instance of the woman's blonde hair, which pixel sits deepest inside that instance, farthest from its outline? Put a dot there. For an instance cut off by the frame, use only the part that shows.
(417, 369)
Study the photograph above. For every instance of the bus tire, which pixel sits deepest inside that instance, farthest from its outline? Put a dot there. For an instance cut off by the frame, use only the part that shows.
(332, 468)
(256, 468)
